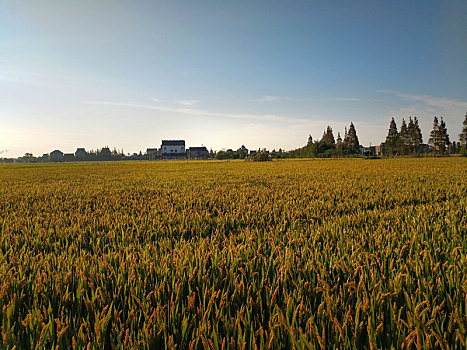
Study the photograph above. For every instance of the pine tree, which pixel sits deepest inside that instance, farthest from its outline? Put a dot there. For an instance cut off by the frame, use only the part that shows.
(412, 136)
(436, 138)
(463, 134)
(339, 141)
(353, 144)
(418, 135)
(463, 137)
(345, 141)
(310, 140)
(328, 137)
(433, 140)
(403, 139)
(444, 136)
(391, 140)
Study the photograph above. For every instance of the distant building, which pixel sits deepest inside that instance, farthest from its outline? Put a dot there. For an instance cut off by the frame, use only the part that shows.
(152, 153)
(198, 153)
(245, 150)
(67, 157)
(424, 148)
(173, 149)
(105, 153)
(366, 151)
(380, 150)
(56, 156)
(80, 153)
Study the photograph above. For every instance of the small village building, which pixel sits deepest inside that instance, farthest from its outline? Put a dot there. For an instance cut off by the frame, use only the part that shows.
(244, 150)
(56, 156)
(173, 149)
(80, 153)
(424, 148)
(380, 150)
(198, 153)
(152, 153)
(67, 157)
(105, 153)
(366, 151)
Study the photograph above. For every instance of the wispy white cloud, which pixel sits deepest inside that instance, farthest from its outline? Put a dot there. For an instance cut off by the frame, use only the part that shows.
(194, 112)
(186, 102)
(33, 79)
(298, 126)
(348, 99)
(276, 98)
(439, 102)
(308, 99)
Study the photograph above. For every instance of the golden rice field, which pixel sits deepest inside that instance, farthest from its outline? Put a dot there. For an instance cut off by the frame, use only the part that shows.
(294, 254)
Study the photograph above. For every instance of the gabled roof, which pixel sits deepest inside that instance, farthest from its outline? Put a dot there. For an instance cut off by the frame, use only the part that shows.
(173, 142)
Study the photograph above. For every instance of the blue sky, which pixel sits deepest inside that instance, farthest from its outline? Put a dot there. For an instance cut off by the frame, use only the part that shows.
(127, 74)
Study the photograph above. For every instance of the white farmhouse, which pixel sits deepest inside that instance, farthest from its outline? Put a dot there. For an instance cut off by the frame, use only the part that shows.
(173, 149)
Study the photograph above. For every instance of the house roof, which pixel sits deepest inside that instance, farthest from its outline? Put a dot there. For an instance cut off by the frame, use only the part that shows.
(173, 142)
(202, 148)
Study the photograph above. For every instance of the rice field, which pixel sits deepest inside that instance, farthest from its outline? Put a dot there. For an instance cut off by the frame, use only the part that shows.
(293, 254)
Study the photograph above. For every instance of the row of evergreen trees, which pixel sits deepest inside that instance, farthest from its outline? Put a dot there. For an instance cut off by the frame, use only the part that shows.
(409, 140)
(439, 138)
(348, 145)
(328, 146)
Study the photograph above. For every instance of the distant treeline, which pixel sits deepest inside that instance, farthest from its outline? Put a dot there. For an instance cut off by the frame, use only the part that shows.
(408, 141)
(102, 154)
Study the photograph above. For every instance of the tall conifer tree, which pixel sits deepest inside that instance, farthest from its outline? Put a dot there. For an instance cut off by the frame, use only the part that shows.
(463, 137)
(328, 137)
(418, 135)
(353, 144)
(435, 137)
(412, 136)
(391, 140)
(403, 139)
(339, 141)
(444, 137)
